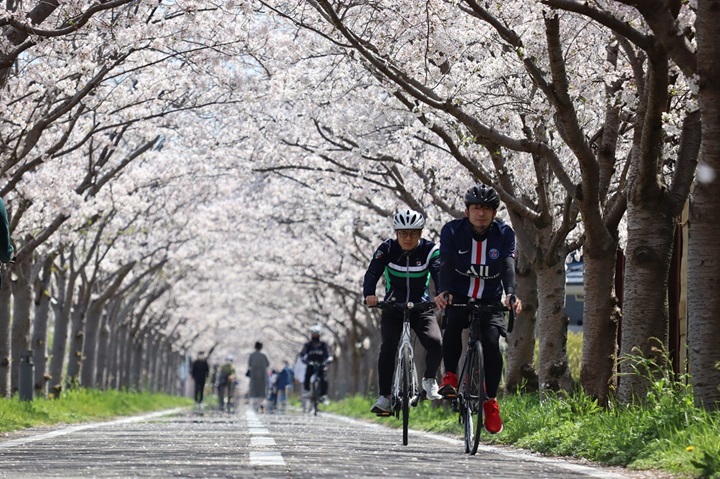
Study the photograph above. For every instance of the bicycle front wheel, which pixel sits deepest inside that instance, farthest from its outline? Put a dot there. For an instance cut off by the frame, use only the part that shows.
(473, 398)
(405, 395)
(315, 394)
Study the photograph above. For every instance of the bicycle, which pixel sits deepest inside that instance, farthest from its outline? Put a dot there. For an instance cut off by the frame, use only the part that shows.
(471, 391)
(405, 383)
(316, 380)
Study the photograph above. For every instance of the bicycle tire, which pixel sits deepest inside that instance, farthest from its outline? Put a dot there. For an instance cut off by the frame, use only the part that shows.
(478, 388)
(315, 393)
(465, 402)
(405, 395)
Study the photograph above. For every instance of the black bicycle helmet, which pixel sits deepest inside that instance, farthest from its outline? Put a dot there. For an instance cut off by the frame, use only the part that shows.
(481, 194)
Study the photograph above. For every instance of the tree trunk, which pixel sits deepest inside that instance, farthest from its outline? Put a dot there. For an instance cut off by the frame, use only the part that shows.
(75, 346)
(104, 350)
(554, 371)
(704, 230)
(520, 357)
(89, 343)
(66, 287)
(5, 301)
(645, 322)
(40, 323)
(22, 305)
(600, 324)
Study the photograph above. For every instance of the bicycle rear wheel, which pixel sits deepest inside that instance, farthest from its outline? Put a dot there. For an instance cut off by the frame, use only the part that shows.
(405, 396)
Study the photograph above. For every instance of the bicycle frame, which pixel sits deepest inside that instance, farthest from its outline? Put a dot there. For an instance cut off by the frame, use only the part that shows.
(405, 382)
(471, 393)
(316, 378)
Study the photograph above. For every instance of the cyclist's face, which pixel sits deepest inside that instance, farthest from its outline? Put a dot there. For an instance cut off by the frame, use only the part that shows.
(480, 216)
(408, 239)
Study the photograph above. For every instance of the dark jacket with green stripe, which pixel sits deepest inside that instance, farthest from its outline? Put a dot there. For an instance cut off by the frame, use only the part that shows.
(400, 268)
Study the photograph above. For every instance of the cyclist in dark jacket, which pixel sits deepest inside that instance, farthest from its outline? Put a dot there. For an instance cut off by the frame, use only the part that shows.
(477, 255)
(318, 351)
(407, 262)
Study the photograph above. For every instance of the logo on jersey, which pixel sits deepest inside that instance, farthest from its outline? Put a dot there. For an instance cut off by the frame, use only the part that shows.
(478, 271)
(494, 254)
(463, 251)
(378, 254)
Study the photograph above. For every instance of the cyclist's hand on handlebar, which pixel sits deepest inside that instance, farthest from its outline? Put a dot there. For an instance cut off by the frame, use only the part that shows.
(442, 300)
(516, 304)
(371, 300)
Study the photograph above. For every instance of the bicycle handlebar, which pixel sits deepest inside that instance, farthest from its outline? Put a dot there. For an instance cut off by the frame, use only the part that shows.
(490, 308)
(422, 306)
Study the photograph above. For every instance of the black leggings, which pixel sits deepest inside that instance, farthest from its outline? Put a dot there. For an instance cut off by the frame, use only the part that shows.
(428, 332)
(199, 390)
(492, 327)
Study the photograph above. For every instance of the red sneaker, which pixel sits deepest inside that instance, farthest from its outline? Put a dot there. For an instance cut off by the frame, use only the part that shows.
(493, 422)
(448, 386)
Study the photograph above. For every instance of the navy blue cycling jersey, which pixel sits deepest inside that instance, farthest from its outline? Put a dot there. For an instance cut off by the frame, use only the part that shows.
(475, 265)
(400, 267)
(317, 351)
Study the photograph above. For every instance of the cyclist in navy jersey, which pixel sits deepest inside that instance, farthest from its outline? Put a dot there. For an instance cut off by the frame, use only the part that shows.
(407, 260)
(477, 256)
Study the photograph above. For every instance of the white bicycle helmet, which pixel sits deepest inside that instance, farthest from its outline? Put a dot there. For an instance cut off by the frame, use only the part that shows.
(408, 220)
(315, 330)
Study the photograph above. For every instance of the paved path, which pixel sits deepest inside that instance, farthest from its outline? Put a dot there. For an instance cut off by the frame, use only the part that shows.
(245, 444)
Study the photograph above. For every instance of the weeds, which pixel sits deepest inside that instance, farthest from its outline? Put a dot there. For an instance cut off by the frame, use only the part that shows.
(78, 405)
(662, 430)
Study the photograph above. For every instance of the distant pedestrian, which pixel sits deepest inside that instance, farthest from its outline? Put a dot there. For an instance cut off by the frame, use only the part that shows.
(283, 383)
(6, 247)
(200, 371)
(226, 383)
(258, 365)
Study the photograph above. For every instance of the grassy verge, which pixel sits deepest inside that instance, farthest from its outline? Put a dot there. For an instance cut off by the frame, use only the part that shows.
(79, 405)
(666, 433)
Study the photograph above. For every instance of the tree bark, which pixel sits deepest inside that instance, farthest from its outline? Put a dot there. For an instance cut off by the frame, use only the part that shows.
(40, 324)
(704, 230)
(22, 305)
(520, 356)
(554, 371)
(75, 346)
(5, 319)
(600, 323)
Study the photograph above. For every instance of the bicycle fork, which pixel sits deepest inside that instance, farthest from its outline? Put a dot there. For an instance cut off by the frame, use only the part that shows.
(405, 350)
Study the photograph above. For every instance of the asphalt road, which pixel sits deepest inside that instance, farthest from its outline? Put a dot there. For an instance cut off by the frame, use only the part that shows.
(246, 444)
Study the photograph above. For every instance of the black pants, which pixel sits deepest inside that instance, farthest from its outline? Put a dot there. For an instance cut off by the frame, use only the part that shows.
(428, 332)
(492, 326)
(199, 390)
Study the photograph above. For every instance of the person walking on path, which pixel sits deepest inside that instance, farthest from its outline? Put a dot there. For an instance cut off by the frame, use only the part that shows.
(200, 371)
(258, 365)
(226, 383)
(6, 247)
(283, 382)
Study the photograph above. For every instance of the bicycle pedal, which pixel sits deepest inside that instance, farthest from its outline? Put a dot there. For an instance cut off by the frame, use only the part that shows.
(383, 414)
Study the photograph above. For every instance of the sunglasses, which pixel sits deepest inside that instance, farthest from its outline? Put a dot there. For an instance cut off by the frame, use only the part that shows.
(409, 234)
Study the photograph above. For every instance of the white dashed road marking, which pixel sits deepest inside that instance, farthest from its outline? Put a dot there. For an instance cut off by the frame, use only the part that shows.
(260, 438)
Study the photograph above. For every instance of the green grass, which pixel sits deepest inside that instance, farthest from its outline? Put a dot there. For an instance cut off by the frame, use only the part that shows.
(665, 433)
(80, 405)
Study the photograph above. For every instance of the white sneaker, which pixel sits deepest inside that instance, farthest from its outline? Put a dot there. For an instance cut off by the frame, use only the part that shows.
(306, 393)
(381, 406)
(430, 386)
